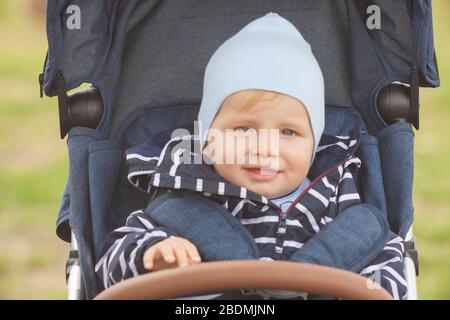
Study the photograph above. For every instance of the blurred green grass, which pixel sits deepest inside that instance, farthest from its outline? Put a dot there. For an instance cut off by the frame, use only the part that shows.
(432, 174)
(33, 161)
(33, 165)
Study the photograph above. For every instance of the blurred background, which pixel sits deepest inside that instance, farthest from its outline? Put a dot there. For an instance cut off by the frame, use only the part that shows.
(34, 164)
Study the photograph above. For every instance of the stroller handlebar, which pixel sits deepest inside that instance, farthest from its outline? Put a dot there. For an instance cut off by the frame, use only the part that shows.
(246, 274)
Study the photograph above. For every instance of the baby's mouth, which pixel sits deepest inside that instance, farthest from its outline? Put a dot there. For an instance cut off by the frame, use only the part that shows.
(262, 173)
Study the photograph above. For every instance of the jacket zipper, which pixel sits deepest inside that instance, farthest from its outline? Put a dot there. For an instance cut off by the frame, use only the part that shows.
(314, 182)
(322, 175)
(281, 232)
(283, 215)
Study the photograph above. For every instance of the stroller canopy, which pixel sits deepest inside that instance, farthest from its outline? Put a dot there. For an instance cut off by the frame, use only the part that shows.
(138, 52)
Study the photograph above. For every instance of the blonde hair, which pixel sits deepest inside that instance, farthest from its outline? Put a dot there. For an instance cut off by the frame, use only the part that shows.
(251, 99)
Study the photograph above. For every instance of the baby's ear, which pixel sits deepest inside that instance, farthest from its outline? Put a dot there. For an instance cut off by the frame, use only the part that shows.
(207, 154)
(206, 149)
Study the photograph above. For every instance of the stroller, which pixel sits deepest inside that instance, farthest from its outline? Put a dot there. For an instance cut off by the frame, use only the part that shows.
(145, 62)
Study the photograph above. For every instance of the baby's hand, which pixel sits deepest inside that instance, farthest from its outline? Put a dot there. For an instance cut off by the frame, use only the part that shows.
(165, 253)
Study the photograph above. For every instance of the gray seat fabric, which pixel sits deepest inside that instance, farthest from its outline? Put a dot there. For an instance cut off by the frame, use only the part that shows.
(166, 52)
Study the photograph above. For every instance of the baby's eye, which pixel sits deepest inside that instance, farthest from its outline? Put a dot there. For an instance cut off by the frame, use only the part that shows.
(288, 132)
(242, 128)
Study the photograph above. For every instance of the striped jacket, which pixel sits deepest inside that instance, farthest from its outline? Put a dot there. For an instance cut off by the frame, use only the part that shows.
(332, 190)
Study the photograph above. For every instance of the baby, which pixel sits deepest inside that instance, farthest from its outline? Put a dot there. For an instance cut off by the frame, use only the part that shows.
(267, 187)
(278, 170)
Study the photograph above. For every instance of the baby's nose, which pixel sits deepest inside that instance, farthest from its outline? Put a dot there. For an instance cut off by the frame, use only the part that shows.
(265, 146)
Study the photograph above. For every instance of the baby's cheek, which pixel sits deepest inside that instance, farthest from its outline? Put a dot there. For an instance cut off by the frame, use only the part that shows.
(229, 173)
(297, 157)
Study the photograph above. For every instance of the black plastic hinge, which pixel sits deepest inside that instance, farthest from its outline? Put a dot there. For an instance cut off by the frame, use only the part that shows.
(62, 103)
(41, 77)
(411, 252)
(41, 85)
(72, 260)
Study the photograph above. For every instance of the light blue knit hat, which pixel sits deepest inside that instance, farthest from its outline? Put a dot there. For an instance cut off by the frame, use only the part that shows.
(269, 53)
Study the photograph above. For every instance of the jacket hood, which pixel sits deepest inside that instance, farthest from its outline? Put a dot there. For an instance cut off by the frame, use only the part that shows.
(176, 166)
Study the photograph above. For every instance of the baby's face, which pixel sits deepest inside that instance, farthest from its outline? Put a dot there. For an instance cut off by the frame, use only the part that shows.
(265, 142)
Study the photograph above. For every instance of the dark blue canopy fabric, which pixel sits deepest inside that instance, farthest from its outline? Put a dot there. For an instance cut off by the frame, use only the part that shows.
(148, 58)
(145, 51)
